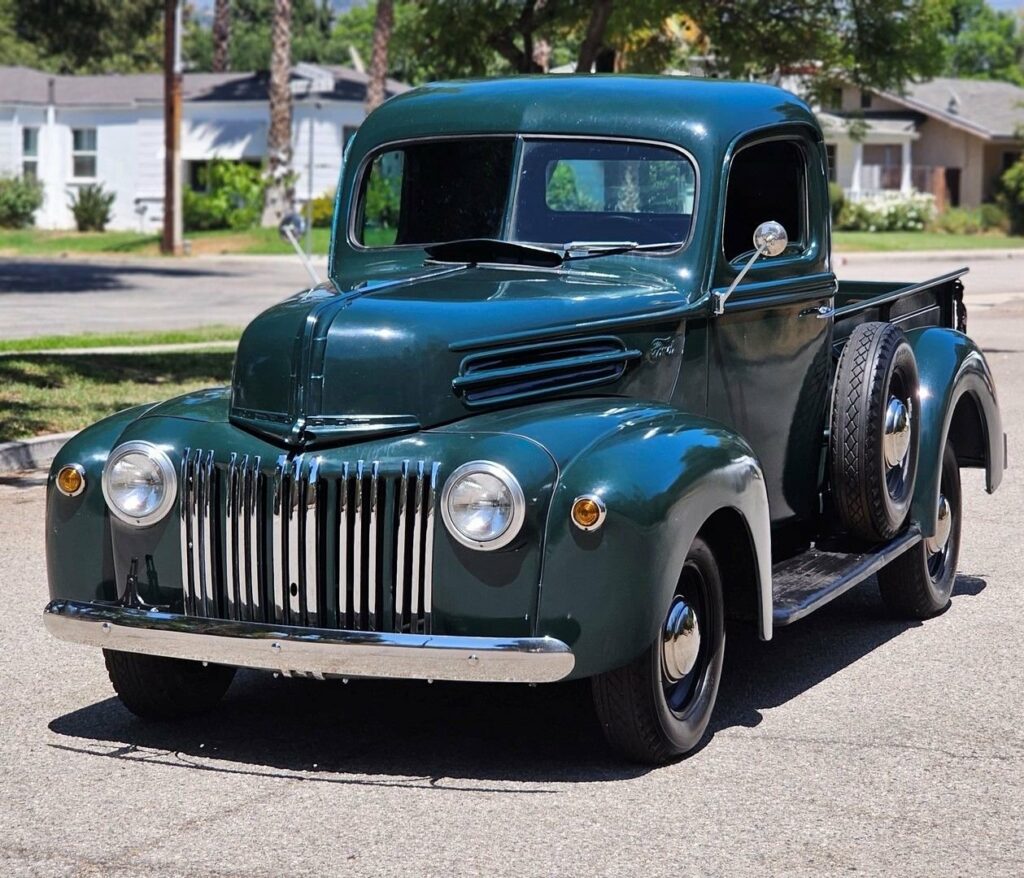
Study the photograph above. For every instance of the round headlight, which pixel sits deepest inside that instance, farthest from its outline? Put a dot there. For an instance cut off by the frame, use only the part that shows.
(482, 505)
(139, 483)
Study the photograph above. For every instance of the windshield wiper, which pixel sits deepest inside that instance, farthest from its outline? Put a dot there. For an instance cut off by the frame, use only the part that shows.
(591, 249)
(495, 251)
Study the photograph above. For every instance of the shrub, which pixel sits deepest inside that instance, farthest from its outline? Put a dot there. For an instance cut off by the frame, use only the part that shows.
(233, 198)
(992, 216)
(20, 198)
(323, 211)
(836, 198)
(91, 207)
(957, 221)
(1011, 196)
(893, 213)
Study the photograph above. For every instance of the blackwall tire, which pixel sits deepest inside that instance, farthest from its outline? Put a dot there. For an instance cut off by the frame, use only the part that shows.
(649, 711)
(153, 687)
(874, 438)
(918, 584)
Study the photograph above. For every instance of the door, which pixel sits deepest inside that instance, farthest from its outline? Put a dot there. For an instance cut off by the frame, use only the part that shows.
(770, 360)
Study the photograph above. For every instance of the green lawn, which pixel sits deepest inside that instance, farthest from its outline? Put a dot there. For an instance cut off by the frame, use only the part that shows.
(41, 393)
(36, 242)
(848, 242)
(118, 339)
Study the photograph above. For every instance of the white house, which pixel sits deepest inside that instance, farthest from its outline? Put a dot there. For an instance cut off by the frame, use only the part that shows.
(72, 130)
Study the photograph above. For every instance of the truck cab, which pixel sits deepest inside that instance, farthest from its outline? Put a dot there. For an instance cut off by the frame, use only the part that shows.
(581, 384)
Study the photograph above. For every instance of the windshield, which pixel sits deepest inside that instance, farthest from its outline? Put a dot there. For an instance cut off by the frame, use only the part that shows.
(536, 191)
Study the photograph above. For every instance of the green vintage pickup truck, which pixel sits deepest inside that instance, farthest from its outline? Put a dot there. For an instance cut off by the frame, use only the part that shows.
(581, 386)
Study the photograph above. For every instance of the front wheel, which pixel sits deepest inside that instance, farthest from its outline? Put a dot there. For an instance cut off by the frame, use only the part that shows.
(153, 687)
(658, 707)
(918, 584)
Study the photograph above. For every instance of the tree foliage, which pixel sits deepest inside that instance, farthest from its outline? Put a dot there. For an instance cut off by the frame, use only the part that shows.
(984, 43)
(249, 48)
(85, 36)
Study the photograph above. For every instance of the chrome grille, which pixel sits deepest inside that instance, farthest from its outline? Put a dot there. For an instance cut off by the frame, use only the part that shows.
(298, 543)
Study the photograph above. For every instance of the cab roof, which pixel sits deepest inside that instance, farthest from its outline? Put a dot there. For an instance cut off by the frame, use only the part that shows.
(698, 114)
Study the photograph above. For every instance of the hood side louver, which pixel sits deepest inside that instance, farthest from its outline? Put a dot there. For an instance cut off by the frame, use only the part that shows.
(507, 374)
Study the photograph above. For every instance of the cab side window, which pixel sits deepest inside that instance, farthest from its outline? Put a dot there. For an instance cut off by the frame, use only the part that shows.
(767, 181)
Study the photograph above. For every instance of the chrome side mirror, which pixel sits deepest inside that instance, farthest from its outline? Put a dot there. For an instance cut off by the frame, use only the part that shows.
(770, 239)
(291, 228)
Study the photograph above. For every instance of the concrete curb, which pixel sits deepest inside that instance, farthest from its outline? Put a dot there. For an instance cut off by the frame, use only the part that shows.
(198, 346)
(35, 453)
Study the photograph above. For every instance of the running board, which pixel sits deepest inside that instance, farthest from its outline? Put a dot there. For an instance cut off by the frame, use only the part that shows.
(805, 583)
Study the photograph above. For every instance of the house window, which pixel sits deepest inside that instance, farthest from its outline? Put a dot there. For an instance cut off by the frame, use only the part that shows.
(83, 153)
(1009, 160)
(767, 181)
(30, 153)
(865, 100)
(830, 155)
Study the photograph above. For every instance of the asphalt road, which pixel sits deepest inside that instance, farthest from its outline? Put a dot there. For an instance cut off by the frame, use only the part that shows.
(850, 744)
(46, 297)
(43, 297)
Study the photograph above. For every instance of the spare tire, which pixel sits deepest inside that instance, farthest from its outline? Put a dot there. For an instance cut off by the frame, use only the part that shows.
(874, 439)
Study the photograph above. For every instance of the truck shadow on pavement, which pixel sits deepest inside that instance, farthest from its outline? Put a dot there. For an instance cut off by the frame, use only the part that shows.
(433, 736)
(61, 276)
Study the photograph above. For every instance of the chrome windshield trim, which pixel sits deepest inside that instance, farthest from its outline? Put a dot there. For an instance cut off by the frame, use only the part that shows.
(311, 650)
(521, 137)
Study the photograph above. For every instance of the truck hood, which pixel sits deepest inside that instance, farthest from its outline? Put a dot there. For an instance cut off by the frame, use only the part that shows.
(426, 348)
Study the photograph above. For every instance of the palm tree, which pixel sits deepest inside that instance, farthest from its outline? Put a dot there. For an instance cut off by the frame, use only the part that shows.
(221, 34)
(379, 61)
(280, 193)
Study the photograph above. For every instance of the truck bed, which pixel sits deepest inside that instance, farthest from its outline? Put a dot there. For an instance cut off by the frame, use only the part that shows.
(934, 302)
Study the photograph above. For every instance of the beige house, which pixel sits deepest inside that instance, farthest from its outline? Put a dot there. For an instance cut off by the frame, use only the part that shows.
(950, 137)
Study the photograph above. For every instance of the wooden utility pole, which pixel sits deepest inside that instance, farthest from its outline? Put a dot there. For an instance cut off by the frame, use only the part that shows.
(383, 22)
(172, 237)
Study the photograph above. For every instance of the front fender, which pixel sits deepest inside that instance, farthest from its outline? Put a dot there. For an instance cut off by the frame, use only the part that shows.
(661, 477)
(952, 369)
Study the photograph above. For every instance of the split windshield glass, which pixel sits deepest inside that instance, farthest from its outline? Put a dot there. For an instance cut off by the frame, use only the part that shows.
(547, 192)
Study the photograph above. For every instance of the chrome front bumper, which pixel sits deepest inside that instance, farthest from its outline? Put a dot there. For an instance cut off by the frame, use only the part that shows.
(312, 651)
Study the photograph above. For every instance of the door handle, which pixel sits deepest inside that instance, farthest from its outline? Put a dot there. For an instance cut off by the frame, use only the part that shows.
(821, 312)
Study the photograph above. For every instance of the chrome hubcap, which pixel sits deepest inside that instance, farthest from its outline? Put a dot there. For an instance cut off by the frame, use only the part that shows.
(896, 437)
(944, 524)
(680, 641)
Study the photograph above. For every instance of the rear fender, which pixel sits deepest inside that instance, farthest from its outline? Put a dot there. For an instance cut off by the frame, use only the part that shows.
(957, 401)
(661, 477)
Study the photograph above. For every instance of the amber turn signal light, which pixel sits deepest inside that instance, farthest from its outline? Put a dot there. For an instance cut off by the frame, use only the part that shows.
(588, 512)
(71, 480)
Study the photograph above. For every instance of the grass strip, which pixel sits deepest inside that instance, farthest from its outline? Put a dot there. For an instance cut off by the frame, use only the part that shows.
(119, 339)
(41, 393)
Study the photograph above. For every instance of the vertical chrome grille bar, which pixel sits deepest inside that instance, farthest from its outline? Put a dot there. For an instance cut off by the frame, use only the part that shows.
(428, 548)
(403, 492)
(357, 549)
(245, 523)
(185, 524)
(343, 547)
(208, 535)
(195, 532)
(371, 552)
(232, 597)
(417, 543)
(279, 570)
(254, 548)
(310, 543)
(296, 510)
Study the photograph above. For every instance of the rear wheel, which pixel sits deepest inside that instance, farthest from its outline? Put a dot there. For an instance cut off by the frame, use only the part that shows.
(154, 687)
(919, 582)
(658, 707)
